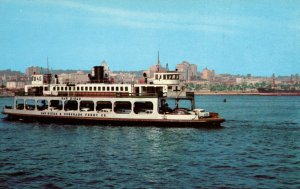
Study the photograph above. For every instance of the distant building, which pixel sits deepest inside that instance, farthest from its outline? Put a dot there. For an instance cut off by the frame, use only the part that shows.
(125, 77)
(189, 71)
(208, 74)
(106, 68)
(79, 77)
(248, 80)
(15, 84)
(194, 72)
(35, 69)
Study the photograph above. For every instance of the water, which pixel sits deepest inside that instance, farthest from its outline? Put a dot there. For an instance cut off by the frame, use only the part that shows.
(259, 147)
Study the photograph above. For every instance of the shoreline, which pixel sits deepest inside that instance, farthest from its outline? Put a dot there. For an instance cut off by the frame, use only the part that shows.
(245, 94)
(227, 93)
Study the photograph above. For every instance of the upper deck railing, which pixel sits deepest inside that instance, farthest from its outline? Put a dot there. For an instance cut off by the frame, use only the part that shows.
(94, 94)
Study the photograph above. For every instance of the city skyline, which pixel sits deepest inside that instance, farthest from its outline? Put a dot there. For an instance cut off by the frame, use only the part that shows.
(236, 37)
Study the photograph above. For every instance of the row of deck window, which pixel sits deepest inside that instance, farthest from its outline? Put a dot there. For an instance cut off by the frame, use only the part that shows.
(91, 88)
(121, 107)
(167, 76)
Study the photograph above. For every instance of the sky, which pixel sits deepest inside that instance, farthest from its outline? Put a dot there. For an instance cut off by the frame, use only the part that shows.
(258, 37)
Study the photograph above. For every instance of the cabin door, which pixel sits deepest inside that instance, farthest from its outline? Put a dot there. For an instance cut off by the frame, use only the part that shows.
(137, 91)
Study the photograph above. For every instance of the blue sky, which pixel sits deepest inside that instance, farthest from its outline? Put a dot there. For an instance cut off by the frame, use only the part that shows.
(230, 36)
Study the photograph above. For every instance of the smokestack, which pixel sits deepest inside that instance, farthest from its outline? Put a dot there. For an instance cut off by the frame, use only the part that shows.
(56, 79)
(97, 74)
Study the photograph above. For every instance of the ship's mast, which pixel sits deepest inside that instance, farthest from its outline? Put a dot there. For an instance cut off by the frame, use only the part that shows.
(47, 65)
(158, 62)
(273, 81)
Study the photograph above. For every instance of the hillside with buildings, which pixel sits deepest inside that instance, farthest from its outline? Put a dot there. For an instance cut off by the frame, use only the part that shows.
(203, 82)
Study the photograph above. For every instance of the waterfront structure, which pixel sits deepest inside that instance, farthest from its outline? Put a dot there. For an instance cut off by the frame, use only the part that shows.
(160, 101)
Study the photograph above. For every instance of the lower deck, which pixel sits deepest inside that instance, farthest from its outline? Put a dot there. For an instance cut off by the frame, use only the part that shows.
(115, 111)
(102, 121)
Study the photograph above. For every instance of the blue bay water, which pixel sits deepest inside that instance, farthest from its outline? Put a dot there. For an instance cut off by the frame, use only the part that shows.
(259, 147)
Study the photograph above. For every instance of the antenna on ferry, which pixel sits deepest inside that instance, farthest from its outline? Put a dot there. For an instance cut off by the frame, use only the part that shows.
(47, 65)
(158, 62)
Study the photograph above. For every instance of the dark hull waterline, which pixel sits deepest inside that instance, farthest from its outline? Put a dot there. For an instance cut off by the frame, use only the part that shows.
(278, 92)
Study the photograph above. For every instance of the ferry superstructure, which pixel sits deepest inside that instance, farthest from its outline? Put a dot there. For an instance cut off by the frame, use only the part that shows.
(103, 103)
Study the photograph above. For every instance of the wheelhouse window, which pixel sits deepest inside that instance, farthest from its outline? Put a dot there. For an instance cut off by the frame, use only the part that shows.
(56, 105)
(20, 104)
(42, 105)
(103, 105)
(122, 107)
(71, 105)
(86, 106)
(143, 107)
(30, 104)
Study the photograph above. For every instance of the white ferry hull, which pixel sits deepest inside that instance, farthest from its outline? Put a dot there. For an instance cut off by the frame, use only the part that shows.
(205, 122)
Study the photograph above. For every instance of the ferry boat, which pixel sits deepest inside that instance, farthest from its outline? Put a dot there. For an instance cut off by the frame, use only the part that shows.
(159, 101)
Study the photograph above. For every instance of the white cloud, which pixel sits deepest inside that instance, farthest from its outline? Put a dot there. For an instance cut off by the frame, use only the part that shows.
(197, 22)
(153, 20)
